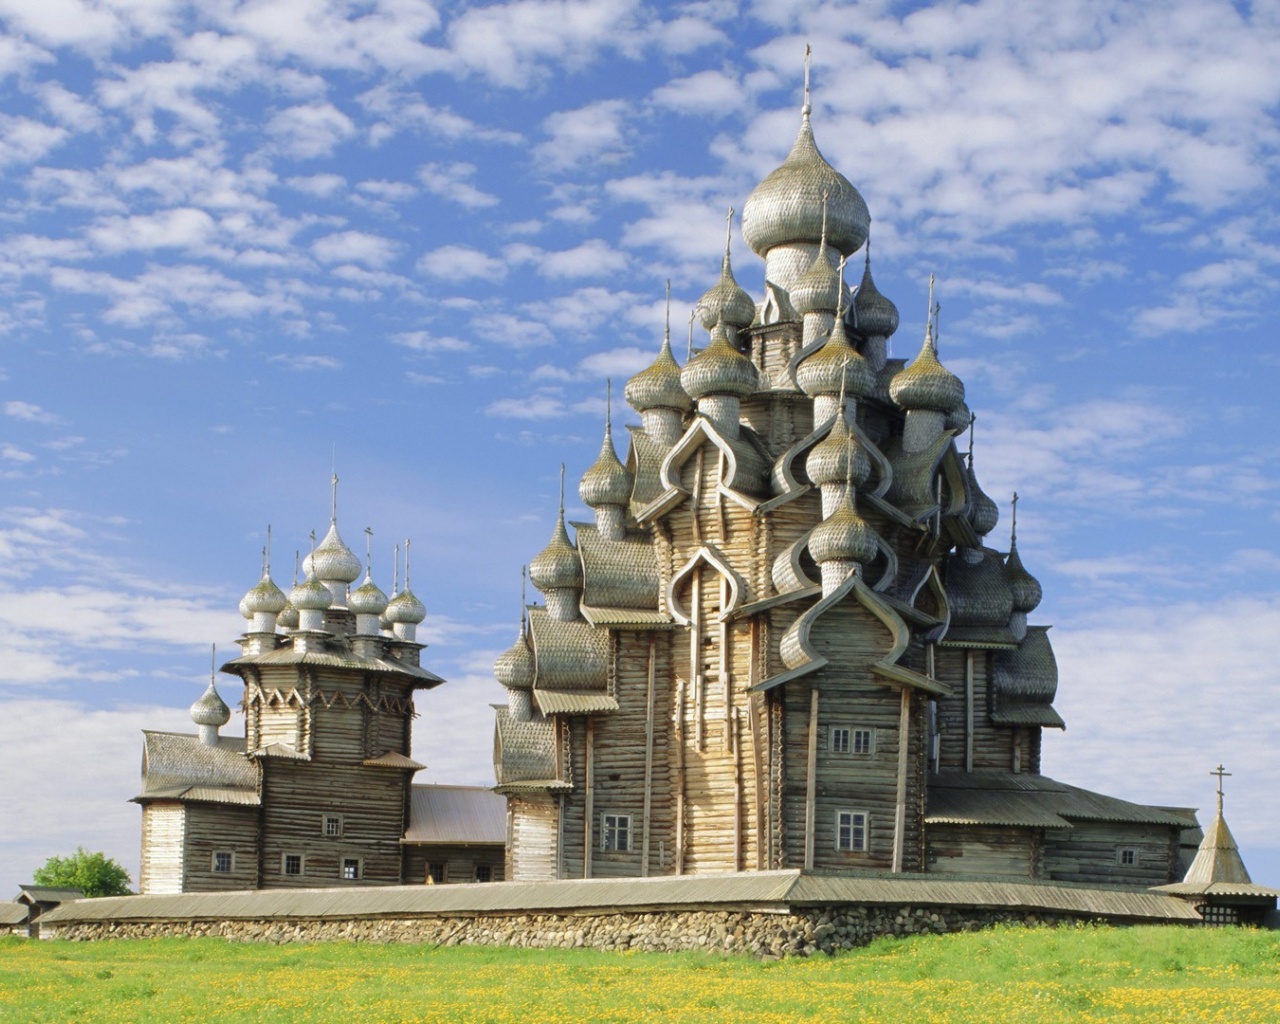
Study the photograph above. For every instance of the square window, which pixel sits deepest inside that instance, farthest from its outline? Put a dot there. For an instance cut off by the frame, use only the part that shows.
(615, 832)
(839, 740)
(332, 825)
(350, 868)
(484, 873)
(851, 831)
(435, 874)
(293, 863)
(1127, 857)
(223, 862)
(864, 741)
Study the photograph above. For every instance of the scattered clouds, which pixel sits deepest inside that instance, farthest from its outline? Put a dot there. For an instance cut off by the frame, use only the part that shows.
(355, 247)
(593, 258)
(460, 263)
(589, 137)
(310, 130)
(30, 413)
(452, 182)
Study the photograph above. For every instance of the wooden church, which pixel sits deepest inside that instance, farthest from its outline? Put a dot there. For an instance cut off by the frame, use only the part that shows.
(791, 637)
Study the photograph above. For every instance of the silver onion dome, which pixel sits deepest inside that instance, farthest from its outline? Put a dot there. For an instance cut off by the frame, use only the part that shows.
(332, 560)
(876, 315)
(726, 300)
(288, 618)
(836, 367)
(607, 481)
(658, 385)
(368, 598)
(557, 566)
(310, 595)
(264, 597)
(514, 668)
(787, 205)
(844, 536)
(983, 513)
(818, 289)
(719, 369)
(829, 461)
(926, 383)
(405, 607)
(1027, 592)
(210, 709)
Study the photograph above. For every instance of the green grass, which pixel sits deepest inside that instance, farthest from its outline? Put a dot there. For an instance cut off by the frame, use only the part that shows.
(1005, 976)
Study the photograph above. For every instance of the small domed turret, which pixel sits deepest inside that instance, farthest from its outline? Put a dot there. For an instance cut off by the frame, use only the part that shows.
(655, 392)
(1025, 588)
(926, 384)
(404, 611)
(606, 486)
(877, 317)
(263, 603)
(836, 367)
(557, 569)
(719, 369)
(210, 712)
(726, 301)
(839, 458)
(367, 602)
(983, 513)
(842, 542)
(311, 598)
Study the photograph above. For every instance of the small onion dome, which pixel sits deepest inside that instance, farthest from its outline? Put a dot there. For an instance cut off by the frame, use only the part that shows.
(405, 607)
(368, 598)
(828, 462)
(658, 385)
(210, 709)
(983, 512)
(877, 316)
(607, 482)
(726, 300)
(845, 536)
(310, 595)
(266, 598)
(958, 418)
(836, 367)
(332, 560)
(1026, 588)
(787, 205)
(818, 289)
(926, 383)
(288, 619)
(557, 566)
(514, 668)
(719, 369)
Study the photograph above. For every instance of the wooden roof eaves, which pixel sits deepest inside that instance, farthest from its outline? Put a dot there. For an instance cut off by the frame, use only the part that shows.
(764, 604)
(765, 507)
(713, 557)
(897, 675)
(891, 566)
(896, 514)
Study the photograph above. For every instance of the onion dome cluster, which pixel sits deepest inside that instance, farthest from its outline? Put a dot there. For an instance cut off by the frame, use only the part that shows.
(658, 385)
(926, 383)
(405, 609)
(332, 561)
(719, 369)
(310, 595)
(836, 367)
(876, 315)
(788, 205)
(368, 598)
(265, 598)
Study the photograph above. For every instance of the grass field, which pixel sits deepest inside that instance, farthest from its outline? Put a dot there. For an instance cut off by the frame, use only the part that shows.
(1010, 976)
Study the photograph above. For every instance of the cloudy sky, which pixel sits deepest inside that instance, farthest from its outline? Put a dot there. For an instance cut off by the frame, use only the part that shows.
(246, 241)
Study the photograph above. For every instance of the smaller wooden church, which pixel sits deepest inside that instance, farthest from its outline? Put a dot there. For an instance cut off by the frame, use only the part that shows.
(319, 790)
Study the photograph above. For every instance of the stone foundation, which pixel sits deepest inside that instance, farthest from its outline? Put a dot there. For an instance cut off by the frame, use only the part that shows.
(763, 935)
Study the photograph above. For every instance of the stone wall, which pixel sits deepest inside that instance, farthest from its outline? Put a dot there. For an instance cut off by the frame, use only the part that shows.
(764, 935)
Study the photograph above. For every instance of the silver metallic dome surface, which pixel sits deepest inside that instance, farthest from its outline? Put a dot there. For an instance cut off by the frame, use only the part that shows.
(264, 597)
(719, 369)
(726, 300)
(836, 367)
(332, 560)
(557, 566)
(845, 536)
(210, 709)
(310, 595)
(828, 461)
(606, 481)
(367, 599)
(787, 205)
(983, 513)
(514, 668)
(877, 316)
(405, 607)
(926, 383)
(658, 385)
(818, 288)
(1027, 592)
(288, 618)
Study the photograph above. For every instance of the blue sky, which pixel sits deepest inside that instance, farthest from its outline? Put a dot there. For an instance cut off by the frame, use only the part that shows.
(243, 242)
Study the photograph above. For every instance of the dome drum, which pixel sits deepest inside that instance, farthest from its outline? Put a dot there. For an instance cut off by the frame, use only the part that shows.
(827, 406)
(666, 426)
(724, 412)
(817, 327)
(835, 571)
(785, 265)
(921, 428)
(611, 521)
(563, 604)
(520, 705)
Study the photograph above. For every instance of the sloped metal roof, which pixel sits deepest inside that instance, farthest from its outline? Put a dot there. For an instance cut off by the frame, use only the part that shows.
(560, 702)
(175, 764)
(772, 890)
(990, 797)
(337, 657)
(48, 894)
(462, 815)
(13, 913)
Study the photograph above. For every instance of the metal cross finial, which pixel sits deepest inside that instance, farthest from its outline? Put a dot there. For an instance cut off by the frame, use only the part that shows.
(562, 491)
(666, 332)
(728, 231)
(973, 418)
(692, 313)
(840, 295)
(808, 58)
(333, 513)
(406, 563)
(368, 551)
(1221, 773)
(395, 571)
(313, 545)
(1013, 528)
(826, 194)
(937, 330)
(868, 261)
(296, 554)
(213, 663)
(524, 576)
(608, 408)
(266, 569)
(929, 311)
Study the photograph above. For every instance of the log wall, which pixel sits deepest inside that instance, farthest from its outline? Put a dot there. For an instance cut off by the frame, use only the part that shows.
(220, 827)
(164, 825)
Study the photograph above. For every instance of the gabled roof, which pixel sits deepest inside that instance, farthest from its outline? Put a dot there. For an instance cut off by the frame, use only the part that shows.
(572, 655)
(461, 815)
(618, 573)
(392, 759)
(337, 655)
(177, 766)
(997, 798)
(747, 464)
(13, 913)
(48, 894)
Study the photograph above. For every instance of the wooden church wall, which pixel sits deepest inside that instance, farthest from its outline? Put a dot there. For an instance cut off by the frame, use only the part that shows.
(534, 838)
(1091, 852)
(222, 828)
(991, 850)
(164, 825)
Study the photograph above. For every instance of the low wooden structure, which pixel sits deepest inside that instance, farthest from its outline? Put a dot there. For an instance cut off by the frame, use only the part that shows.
(38, 900)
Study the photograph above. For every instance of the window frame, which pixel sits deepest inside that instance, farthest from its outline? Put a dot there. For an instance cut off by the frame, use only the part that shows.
(438, 873)
(840, 740)
(1134, 858)
(486, 870)
(324, 826)
(302, 865)
(611, 831)
(853, 827)
(230, 869)
(870, 733)
(359, 868)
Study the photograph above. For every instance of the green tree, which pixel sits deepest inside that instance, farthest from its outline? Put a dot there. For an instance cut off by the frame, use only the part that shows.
(95, 874)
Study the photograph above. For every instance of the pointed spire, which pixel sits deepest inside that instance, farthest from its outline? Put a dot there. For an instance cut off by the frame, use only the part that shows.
(406, 563)
(266, 555)
(1013, 525)
(406, 570)
(395, 572)
(368, 551)
(666, 328)
(1221, 773)
(333, 510)
(728, 233)
(524, 599)
(807, 109)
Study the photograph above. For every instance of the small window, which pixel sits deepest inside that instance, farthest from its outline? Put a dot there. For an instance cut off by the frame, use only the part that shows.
(332, 825)
(484, 873)
(1127, 857)
(435, 874)
(293, 863)
(351, 868)
(864, 742)
(839, 740)
(224, 862)
(615, 832)
(851, 831)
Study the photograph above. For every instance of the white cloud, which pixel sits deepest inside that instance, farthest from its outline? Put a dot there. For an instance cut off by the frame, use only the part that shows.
(306, 362)
(310, 130)
(542, 406)
(421, 341)
(707, 93)
(355, 246)
(29, 412)
(183, 228)
(24, 141)
(593, 258)
(452, 182)
(12, 453)
(320, 185)
(591, 135)
(460, 263)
